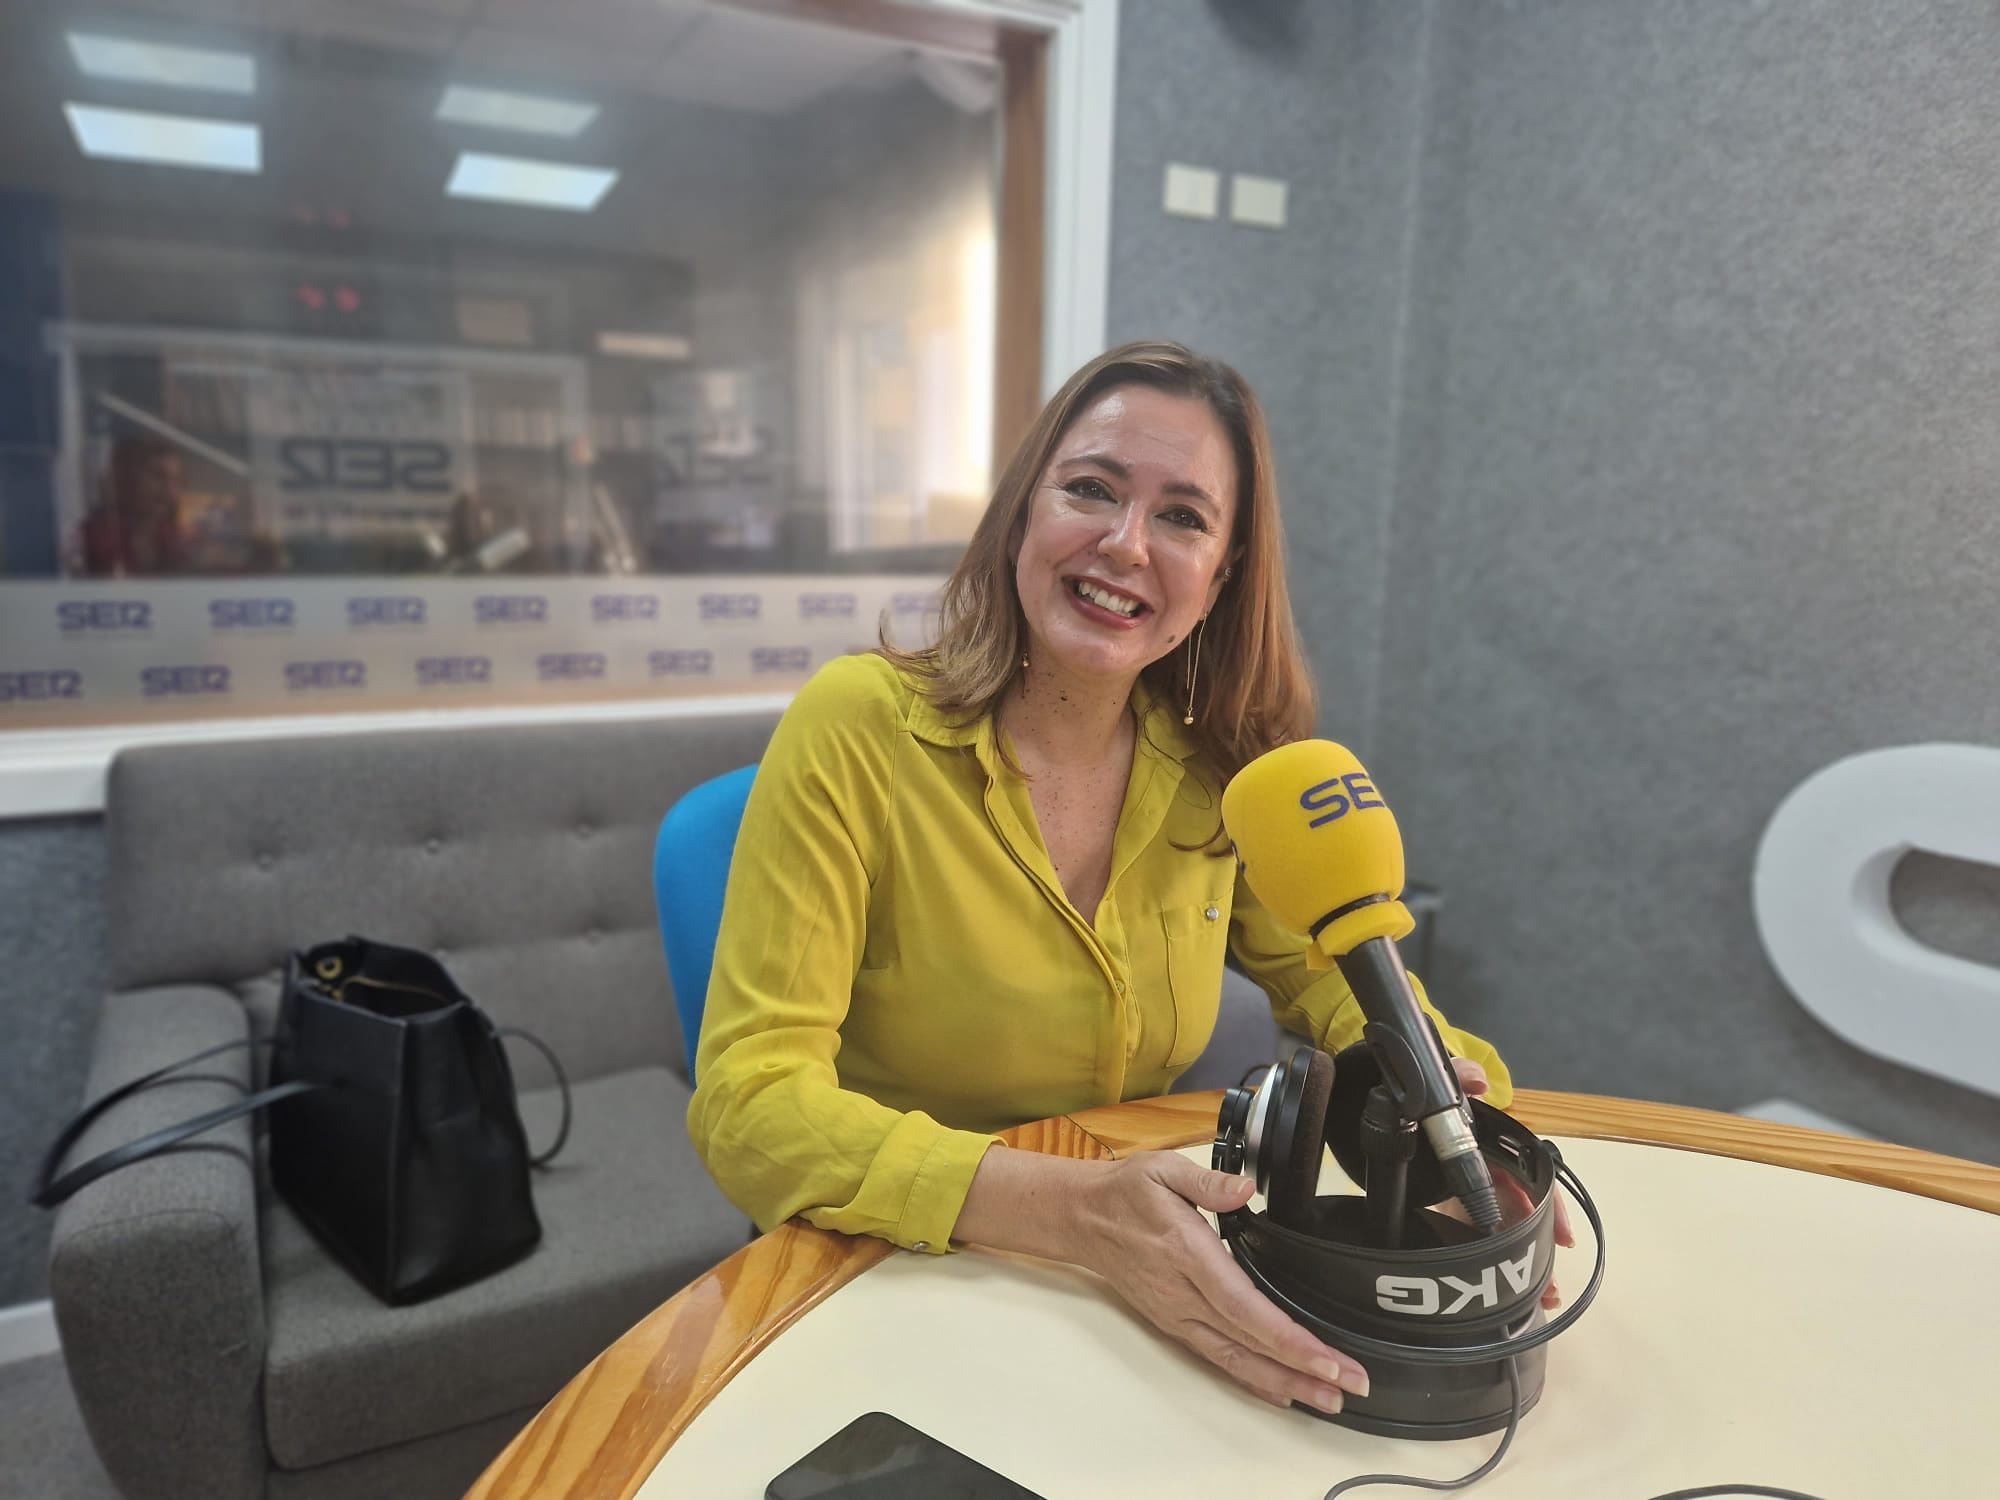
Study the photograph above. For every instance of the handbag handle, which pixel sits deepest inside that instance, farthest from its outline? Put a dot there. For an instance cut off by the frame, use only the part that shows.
(562, 1082)
(83, 1121)
(51, 1190)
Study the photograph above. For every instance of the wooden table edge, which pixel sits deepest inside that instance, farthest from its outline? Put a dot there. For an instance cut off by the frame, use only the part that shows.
(607, 1430)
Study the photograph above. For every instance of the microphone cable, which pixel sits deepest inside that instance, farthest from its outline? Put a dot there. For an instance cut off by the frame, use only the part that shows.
(1411, 1481)
(1507, 1441)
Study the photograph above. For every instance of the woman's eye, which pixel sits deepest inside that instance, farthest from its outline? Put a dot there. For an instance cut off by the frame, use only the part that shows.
(1088, 489)
(1180, 515)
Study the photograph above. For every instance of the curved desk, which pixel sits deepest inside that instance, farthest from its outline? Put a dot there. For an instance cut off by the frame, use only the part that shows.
(1781, 1307)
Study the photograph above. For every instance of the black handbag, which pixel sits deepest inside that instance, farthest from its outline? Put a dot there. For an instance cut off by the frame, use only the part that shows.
(394, 1131)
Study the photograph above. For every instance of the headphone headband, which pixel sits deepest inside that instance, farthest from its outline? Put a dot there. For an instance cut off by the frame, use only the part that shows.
(1319, 1264)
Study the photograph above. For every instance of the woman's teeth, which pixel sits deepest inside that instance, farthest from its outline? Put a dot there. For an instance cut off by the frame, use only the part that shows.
(1116, 603)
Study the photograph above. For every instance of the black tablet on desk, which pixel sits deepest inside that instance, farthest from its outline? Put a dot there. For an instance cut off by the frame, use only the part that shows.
(877, 1457)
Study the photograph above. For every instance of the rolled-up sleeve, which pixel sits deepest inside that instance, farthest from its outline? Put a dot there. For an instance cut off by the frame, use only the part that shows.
(1317, 1002)
(769, 1116)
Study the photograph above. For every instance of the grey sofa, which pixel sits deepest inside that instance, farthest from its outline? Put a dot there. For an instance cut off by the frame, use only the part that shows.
(215, 1350)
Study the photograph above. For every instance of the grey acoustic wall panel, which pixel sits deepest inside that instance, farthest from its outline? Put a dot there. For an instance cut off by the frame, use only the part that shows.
(1696, 494)
(51, 980)
(1330, 99)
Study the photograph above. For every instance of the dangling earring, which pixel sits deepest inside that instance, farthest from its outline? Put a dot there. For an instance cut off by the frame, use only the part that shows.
(1194, 665)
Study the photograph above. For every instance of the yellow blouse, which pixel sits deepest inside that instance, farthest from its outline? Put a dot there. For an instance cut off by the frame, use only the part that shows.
(899, 972)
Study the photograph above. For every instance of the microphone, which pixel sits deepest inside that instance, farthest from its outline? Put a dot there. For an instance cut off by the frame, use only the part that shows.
(1322, 851)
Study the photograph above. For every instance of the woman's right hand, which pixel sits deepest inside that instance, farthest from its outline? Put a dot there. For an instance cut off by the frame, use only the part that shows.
(1136, 1226)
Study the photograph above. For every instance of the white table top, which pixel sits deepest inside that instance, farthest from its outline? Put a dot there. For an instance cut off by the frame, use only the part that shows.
(1756, 1325)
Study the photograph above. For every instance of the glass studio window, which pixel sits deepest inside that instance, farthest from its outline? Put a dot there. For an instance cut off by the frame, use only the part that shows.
(434, 351)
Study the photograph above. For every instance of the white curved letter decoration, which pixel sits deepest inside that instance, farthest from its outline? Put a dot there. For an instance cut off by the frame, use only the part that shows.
(1821, 897)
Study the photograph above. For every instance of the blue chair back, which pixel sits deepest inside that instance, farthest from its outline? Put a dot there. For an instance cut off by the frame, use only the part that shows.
(690, 874)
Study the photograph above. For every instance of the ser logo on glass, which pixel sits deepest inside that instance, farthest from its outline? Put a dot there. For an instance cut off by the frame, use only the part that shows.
(1335, 798)
(449, 671)
(510, 609)
(310, 676)
(386, 610)
(826, 606)
(679, 663)
(160, 682)
(252, 614)
(364, 465)
(73, 615)
(612, 609)
(559, 666)
(780, 659)
(40, 687)
(731, 606)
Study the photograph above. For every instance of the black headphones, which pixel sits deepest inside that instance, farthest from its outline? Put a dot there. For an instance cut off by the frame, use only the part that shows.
(1444, 1299)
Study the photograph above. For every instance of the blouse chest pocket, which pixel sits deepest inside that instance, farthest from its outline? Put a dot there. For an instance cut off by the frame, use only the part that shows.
(1197, 943)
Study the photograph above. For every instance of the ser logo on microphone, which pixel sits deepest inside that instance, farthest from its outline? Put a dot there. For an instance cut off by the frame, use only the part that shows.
(1336, 798)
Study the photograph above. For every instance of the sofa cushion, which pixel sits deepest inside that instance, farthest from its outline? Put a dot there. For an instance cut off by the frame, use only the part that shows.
(629, 1216)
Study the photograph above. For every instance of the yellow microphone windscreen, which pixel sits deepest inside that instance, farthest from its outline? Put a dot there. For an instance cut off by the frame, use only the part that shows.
(1315, 836)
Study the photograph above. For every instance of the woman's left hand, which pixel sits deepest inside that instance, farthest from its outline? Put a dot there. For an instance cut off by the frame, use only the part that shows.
(1515, 1205)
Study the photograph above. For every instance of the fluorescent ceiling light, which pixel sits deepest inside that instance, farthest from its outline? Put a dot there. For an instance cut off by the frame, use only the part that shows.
(126, 60)
(645, 347)
(531, 114)
(170, 140)
(516, 179)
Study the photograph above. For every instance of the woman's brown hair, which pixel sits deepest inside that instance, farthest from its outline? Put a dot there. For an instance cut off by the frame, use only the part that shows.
(1254, 690)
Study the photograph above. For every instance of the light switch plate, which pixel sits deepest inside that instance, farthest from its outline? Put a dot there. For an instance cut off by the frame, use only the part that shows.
(1192, 192)
(1257, 200)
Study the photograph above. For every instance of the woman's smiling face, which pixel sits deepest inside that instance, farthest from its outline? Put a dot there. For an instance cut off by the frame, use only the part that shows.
(1127, 533)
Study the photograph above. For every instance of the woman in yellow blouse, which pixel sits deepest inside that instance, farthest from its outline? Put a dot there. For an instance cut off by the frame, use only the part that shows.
(985, 882)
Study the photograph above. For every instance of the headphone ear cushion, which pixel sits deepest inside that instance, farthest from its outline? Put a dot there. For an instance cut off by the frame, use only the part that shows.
(1298, 1138)
(1357, 1071)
